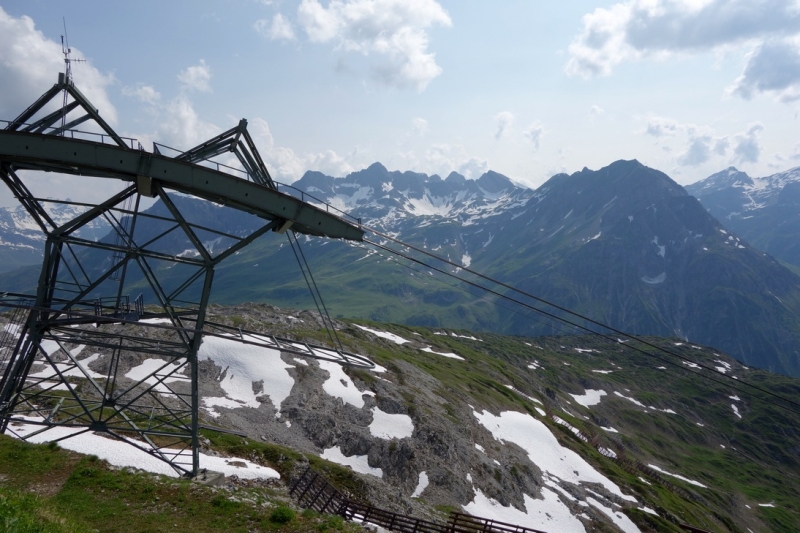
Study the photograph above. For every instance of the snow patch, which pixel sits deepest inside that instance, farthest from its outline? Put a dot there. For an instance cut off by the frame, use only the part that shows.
(161, 368)
(448, 355)
(388, 426)
(543, 449)
(358, 463)
(243, 365)
(339, 385)
(656, 280)
(619, 519)
(421, 484)
(122, 454)
(549, 513)
(590, 398)
(384, 335)
(687, 480)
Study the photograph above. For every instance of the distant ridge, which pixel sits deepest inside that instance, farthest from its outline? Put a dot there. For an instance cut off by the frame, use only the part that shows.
(624, 244)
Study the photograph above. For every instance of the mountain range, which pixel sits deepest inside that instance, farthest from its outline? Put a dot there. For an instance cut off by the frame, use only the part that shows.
(764, 211)
(624, 245)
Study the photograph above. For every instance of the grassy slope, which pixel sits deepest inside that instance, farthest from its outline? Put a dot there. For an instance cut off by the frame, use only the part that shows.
(46, 489)
(758, 463)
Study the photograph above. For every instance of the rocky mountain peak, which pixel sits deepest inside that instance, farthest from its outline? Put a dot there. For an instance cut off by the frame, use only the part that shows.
(389, 198)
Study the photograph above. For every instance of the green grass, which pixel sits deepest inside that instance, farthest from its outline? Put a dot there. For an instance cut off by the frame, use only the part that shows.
(48, 489)
(758, 464)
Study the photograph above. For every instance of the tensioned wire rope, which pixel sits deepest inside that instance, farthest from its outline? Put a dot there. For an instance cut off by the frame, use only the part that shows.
(736, 384)
(315, 293)
(558, 327)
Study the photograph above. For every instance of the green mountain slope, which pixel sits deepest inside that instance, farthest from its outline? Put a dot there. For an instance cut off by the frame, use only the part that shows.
(601, 426)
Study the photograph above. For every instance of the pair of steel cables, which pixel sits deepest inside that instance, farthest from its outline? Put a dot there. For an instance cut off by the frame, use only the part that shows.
(555, 316)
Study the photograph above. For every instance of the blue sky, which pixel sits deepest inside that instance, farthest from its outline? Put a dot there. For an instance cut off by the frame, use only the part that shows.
(528, 89)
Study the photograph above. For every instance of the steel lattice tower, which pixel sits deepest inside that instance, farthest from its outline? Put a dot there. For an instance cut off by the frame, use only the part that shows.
(88, 292)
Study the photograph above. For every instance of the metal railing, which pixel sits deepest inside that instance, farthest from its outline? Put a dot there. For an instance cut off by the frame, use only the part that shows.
(293, 191)
(71, 133)
(157, 147)
(313, 491)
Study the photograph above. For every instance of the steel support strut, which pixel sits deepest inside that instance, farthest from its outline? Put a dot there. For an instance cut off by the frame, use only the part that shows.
(140, 381)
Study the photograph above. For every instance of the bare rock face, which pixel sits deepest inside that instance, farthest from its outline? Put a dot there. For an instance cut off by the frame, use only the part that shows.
(440, 445)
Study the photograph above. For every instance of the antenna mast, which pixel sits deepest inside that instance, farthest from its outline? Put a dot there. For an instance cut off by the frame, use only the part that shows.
(67, 51)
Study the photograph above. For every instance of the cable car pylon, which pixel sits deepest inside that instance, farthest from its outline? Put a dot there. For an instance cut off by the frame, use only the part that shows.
(131, 300)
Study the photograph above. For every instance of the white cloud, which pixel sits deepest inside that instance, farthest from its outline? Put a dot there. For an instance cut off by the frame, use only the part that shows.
(181, 127)
(197, 77)
(534, 134)
(638, 29)
(772, 67)
(144, 93)
(702, 144)
(286, 166)
(393, 30)
(504, 121)
(596, 111)
(30, 63)
(661, 126)
(721, 146)
(442, 159)
(698, 151)
(420, 125)
(278, 29)
(747, 149)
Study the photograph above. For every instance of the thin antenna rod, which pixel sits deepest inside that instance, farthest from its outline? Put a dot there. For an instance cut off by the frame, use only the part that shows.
(67, 51)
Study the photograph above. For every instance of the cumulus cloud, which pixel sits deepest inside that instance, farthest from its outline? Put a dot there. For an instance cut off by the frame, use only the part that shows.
(747, 149)
(394, 31)
(534, 134)
(30, 63)
(442, 159)
(640, 29)
(703, 144)
(773, 67)
(504, 121)
(277, 29)
(698, 151)
(196, 78)
(181, 127)
(285, 165)
(661, 126)
(596, 111)
(143, 93)
(420, 125)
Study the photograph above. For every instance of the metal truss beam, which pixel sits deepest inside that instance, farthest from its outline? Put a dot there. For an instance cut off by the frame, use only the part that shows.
(140, 384)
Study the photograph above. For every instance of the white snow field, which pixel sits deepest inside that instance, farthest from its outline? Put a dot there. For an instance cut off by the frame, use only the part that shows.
(422, 484)
(388, 426)
(449, 355)
(590, 398)
(556, 463)
(148, 366)
(357, 462)
(339, 385)
(384, 335)
(244, 364)
(549, 513)
(121, 454)
(687, 480)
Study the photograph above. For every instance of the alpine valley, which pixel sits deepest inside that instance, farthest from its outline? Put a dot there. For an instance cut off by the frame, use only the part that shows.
(624, 245)
(474, 405)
